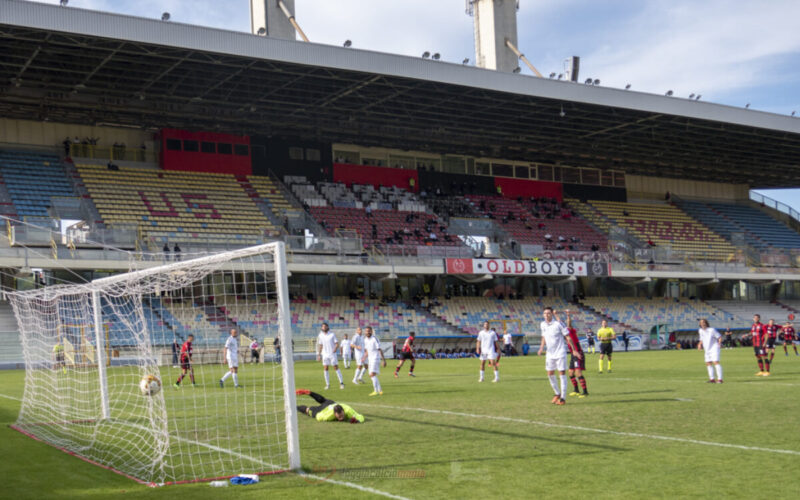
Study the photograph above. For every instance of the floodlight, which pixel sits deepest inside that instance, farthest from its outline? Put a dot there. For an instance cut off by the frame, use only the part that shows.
(552, 75)
(347, 43)
(562, 114)
(426, 54)
(465, 61)
(64, 3)
(436, 56)
(628, 86)
(588, 81)
(746, 106)
(560, 76)
(517, 70)
(691, 96)
(165, 16)
(793, 112)
(261, 31)
(698, 97)
(669, 93)
(596, 82)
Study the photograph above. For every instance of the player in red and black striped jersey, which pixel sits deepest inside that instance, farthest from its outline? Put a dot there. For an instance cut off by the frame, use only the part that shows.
(772, 339)
(407, 353)
(577, 361)
(789, 337)
(758, 333)
(186, 361)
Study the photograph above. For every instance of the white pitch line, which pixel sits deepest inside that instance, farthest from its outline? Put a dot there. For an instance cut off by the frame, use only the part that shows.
(273, 466)
(353, 485)
(9, 397)
(590, 429)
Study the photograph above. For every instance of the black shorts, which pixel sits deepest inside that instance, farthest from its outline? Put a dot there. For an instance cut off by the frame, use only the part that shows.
(590, 342)
(759, 351)
(406, 355)
(577, 364)
(60, 357)
(770, 342)
(606, 348)
(186, 363)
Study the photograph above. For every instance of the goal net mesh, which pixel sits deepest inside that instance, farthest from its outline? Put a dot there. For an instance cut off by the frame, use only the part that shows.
(82, 393)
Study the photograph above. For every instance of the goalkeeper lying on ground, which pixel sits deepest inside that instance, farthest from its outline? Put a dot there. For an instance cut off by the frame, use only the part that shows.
(329, 411)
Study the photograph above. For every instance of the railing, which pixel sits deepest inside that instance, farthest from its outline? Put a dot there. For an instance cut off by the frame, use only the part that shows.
(119, 153)
(775, 204)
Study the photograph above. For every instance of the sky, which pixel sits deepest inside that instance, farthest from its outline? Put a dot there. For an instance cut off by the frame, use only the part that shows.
(733, 52)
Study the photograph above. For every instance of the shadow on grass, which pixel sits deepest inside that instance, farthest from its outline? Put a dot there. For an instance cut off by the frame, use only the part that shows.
(494, 432)
(620, 401)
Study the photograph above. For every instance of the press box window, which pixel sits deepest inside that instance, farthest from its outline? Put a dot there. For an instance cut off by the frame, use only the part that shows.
(192, 146)
(208, 147)
(173, 144)
(241, 149)
(224, 148)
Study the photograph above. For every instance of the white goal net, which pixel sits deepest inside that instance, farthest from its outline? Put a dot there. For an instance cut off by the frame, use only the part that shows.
(88, 347)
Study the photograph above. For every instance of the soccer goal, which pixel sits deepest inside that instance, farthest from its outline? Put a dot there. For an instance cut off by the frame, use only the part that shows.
(97, 354)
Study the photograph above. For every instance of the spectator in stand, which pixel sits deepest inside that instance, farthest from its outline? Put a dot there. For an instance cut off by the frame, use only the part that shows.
(254, 355)
(650, 242)
(166, 251)
(548, 237)
(432, 236)
(176, 252)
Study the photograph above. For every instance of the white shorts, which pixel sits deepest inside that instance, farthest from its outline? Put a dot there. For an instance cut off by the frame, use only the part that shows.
(346, 355)
(375, 365)
(330, 360)
(712, 355)
(491, 356)
(233, 361)
(555, 364)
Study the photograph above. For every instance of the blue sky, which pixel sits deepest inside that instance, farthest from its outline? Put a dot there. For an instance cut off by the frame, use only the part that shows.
(731, 51)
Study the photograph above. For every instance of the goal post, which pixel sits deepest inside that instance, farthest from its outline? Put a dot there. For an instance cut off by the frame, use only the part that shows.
(206, 422)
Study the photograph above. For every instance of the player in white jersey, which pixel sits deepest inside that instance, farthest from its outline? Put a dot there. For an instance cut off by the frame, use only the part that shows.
(327, 345)
(711, 340)
(373, 355)
(346, 351)
(555, 337)
(232, 357)
(508, 342)
(357, 344)
(486, 348)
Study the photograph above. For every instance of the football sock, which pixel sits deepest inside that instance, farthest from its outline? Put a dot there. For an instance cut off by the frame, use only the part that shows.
(179, 380)
(225, 377)
(718, 368)
(191, 376)
(583, 383)
(235, 379)
(574, 382)
(600, 365)
(554, 384)
(771, 356)
(496, 375)
(375, 383)
(481, 374)
(760, 365)
(339, 376)
(609, 365)
(710, 372)
(766, 364)
(411, 370)
(327, 378)
(563, 385)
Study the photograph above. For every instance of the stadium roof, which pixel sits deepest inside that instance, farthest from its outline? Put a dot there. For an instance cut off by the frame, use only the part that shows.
(87, 67)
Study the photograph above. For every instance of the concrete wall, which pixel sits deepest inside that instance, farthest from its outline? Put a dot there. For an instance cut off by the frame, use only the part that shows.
(640, 187)
(495, 21)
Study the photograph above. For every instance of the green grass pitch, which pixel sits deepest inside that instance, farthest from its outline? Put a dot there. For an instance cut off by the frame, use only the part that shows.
(652, 428)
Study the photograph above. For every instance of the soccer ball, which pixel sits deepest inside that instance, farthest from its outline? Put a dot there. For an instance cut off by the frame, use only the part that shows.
(149, 385)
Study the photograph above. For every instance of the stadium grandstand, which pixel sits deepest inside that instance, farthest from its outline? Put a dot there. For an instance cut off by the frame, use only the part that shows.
(157, 160)
(411, 194)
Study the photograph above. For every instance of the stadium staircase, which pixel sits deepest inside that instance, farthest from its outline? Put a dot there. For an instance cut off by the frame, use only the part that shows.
(10, 345)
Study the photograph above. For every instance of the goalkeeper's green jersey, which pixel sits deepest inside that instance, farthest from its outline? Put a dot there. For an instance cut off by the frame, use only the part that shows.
(326, 415)
(606, 335)
(58, 348)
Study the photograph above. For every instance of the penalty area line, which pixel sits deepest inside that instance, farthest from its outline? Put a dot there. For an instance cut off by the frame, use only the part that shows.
(9, 397)
(589, 429)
